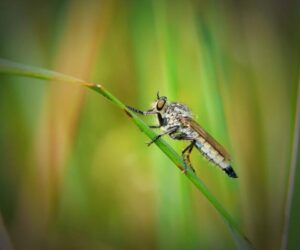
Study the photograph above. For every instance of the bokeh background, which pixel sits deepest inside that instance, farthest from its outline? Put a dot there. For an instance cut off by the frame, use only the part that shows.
(75, 172)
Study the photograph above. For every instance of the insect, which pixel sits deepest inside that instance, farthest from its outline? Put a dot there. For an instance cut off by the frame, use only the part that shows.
(175, 119)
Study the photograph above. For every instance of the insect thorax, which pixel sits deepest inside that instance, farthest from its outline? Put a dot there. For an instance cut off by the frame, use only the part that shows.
(173, 113)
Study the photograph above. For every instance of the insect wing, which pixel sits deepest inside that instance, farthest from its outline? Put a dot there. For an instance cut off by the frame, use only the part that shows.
(206, 136)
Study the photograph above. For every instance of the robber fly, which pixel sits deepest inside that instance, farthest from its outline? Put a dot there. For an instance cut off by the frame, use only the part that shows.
(175, 119)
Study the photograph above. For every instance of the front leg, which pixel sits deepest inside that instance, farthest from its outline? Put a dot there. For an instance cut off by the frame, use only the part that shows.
(162, 121)
(155, 126)
(169, 131)
(148, 112)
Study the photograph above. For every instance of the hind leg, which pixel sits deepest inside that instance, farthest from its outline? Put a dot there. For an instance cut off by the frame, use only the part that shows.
(170, 131)
(186, 155)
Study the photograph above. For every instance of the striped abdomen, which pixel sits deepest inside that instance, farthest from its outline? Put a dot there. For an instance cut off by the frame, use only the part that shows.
(213, 155)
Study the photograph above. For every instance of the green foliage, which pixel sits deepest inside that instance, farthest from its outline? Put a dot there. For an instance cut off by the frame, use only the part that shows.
(75, 173)
(11, 68)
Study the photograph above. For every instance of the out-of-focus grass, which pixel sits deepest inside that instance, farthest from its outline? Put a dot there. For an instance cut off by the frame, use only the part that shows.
(11, 68)
(235, 64)
(291, 227)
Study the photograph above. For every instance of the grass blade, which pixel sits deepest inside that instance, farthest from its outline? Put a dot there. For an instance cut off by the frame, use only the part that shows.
(291, 200)
(12, 68)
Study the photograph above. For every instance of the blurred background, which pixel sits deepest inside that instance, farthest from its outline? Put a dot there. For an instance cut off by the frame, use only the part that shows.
(75, 172)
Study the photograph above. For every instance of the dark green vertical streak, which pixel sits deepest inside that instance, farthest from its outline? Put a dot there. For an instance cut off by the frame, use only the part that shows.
(291, 228)
(141, 27)
(60, 7)
(189, 237)
(166, 35)
(170, 207)
(212, 95)
(182, 229)
(170, 50)
(12, 129)
(222, 77)
(145, 40)
(211, 89)
(294, 221)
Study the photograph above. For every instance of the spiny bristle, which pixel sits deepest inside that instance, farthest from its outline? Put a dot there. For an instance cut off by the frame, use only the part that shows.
(230, 172)
(135, 110)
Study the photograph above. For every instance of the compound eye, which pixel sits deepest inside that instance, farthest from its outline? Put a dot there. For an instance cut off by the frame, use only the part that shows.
(160, 104)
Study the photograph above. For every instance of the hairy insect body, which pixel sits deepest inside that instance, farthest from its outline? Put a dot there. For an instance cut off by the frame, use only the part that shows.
(175, 120)
(173, 116)
(211, 154)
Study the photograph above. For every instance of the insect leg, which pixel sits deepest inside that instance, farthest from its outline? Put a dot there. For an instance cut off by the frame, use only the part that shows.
(148, 112)
(161, 120)
(171, 130)
(154, 126)
(186, 154)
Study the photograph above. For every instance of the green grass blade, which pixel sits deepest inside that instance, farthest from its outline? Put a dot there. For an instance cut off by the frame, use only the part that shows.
(11, 68)
(291, 230)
